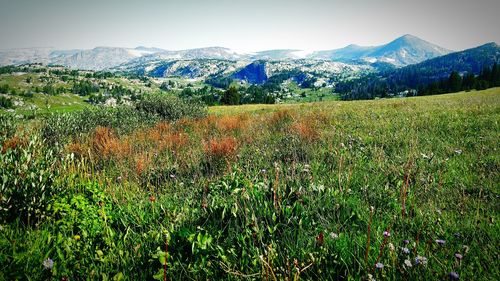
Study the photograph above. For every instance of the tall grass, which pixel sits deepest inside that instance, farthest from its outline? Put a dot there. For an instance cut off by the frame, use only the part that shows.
(280, 194)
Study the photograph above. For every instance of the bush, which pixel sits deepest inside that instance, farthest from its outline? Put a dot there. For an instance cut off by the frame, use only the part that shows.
(7, 126)
(28, 170)
(170, 108)
(60, 127)
(5, 102)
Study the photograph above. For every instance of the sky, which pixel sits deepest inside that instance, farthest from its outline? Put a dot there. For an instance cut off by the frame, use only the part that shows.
(245, 26)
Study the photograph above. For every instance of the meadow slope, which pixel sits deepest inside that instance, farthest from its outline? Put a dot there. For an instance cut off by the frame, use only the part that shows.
(394, 189)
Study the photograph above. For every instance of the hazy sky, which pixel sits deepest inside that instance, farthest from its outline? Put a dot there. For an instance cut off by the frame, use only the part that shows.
(245, 25)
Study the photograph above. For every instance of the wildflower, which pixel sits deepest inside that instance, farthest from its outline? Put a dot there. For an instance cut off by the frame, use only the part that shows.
(263, 171)
(48, 263)
(319, 239)
(440, 242)
(334, 235)
(406, 250)
(406, 242)
(152, 198)
(379, 265)
(172, 176)
(408, 263)
(453, 275)
(370, 277)
(421, 260)
(76, 237)
(391, 247)
(119, 179)
(458, 151)
(387, 234)
(458, 256)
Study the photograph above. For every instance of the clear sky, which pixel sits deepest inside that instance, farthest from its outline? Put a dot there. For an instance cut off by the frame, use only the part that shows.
(245, 25)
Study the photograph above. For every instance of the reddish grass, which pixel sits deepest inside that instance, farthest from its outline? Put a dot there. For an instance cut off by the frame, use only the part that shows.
(106, 145)
(229, 123)
(280, 117)
(13, 143)
(174, 141)
(141, 164)
(77, 148)
(222, 148)
(305, 131)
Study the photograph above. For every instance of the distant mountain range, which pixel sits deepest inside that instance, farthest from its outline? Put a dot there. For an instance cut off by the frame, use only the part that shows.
(403, 51)
(411, 77)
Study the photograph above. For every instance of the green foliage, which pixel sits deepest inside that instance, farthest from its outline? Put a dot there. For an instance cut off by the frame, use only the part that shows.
(28, 170)
(5, 102)
(295, 202)
(60, 127)
(85, 88)
(8, 127)
(170, 108)
(435, 76)
(231, 97)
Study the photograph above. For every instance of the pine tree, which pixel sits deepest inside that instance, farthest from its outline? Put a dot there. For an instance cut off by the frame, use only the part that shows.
(455, 82)
(231, 97)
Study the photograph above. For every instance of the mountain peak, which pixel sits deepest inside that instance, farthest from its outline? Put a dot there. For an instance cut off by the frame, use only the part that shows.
(409, 36)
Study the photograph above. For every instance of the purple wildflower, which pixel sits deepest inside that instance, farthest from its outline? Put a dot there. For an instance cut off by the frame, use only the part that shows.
(421, 260)
(387, 234)
(440, 242)
(379, 265)
(406, 242)
(454, 275)
(48, 263)
(459, 256)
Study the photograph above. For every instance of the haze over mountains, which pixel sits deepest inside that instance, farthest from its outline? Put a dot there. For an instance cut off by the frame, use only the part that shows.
(403, 51)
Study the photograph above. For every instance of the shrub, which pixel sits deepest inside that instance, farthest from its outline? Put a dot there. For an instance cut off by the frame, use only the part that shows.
(5, 102)
(7, 126)
(170, 108)
(27, 180)
(60, 127)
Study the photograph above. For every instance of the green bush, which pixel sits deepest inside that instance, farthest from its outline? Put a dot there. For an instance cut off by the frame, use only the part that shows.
(5, 102)
(27, 173)
(123, 119)
(60, 127)
(7, 127)
(170, 108)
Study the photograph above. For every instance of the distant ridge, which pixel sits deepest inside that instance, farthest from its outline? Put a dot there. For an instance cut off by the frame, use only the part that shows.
(402, 51)
(405, 50)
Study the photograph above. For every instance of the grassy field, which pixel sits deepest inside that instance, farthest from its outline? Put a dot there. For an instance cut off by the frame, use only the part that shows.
(387, 189)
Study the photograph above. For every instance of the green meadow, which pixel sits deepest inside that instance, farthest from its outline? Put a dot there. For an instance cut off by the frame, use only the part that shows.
(389, 189)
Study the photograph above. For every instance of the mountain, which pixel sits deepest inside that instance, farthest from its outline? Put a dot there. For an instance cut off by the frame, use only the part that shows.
(99, 58)
(254, 73)
(282, 54)
(191, 69)
(422, 74)
(149, 49)
(25, 55)
(349, 53)
(405, 50)
(468, 61)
